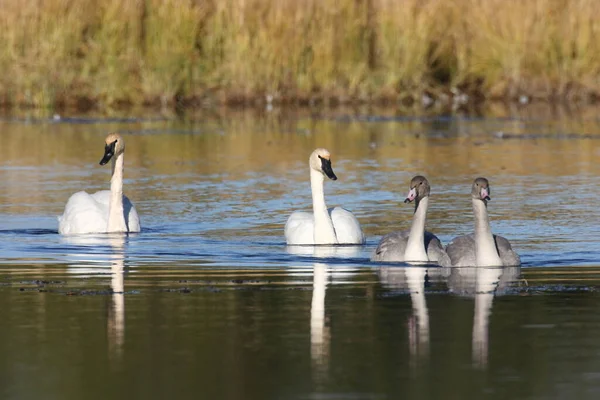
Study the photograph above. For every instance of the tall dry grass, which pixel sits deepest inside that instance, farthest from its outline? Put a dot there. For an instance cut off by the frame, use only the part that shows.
(56, 52)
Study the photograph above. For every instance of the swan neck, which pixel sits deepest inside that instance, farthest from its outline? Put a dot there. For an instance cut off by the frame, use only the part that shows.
(485, 246)
(324, 231)
(487, 281)
(481, 318)
(415, 277)
(116, 215)
(415, 248)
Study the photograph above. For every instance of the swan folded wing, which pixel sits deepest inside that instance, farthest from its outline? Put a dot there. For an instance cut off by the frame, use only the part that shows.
(131, 216)
(391, 247)
(507, 254)
(102, 197)
(461, 251)
(347, 228)
(132, 220)
(299, 228)
(84, 213)
(435, 251)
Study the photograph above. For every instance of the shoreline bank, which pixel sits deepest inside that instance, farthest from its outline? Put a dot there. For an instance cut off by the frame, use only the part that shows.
(111, 53)
(443, 100)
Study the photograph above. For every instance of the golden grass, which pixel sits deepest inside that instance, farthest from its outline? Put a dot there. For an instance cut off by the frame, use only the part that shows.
(110, 52)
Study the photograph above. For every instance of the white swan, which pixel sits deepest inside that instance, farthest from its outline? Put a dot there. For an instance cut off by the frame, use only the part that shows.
(104, 211)
(322, 226)
(482, 248)
(414, 245)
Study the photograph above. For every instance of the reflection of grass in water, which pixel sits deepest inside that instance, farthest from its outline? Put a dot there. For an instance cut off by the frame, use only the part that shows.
(115, 51)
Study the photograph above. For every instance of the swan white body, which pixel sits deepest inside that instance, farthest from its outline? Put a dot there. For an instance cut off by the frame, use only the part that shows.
(415, 245)
(300, 228)
(482, 248)
(88, 213)
(322, 226)
(104, 211)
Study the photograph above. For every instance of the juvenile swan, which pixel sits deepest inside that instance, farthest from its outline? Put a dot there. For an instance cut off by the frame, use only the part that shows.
(322, 226)
(416, 244)
(104, 211)
(482, 248)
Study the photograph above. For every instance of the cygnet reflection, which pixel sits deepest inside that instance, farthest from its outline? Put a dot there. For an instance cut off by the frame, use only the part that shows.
(482, 283)
(414, 280)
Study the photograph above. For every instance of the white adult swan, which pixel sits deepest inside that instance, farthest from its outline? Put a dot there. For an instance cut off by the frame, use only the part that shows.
(104, 211)
(417, 244)
(322, 226)
(482, 248)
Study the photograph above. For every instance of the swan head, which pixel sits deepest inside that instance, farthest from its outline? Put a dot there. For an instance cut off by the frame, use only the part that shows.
(481, 190)
(419, 189)
(113, 147)
(320, 160)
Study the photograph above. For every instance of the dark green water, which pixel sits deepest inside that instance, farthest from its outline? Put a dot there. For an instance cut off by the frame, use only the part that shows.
(261, 335)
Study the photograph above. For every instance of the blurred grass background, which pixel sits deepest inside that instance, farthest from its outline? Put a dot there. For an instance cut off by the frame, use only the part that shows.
(106, 53)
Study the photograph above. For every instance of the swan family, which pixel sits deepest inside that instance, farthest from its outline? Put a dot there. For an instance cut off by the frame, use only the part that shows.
(335, 226)
(110, 211)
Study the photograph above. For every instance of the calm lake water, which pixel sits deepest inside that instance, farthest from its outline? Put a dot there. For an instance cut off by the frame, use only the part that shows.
(208, 302)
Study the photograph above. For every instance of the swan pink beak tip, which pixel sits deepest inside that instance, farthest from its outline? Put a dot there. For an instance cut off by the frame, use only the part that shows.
(484, 194)
(412, 194)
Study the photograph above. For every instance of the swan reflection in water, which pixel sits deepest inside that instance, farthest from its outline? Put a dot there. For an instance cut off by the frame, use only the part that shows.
(320, 337)
(338, 252)
(116, 313)
(413, 279)
(341, 260)
(319, 331)
(482, 283)
(93, 258)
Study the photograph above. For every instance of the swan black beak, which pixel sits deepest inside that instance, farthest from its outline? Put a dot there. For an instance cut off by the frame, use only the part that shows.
(109, 151)
(326, 168)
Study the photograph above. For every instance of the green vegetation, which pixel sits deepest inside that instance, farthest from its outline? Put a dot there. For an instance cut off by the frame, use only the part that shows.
(115, 52)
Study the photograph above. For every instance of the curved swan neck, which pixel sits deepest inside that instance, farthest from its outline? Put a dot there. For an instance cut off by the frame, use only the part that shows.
(324, 232)
(415, 248)
(116, 214)
(485, 246)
